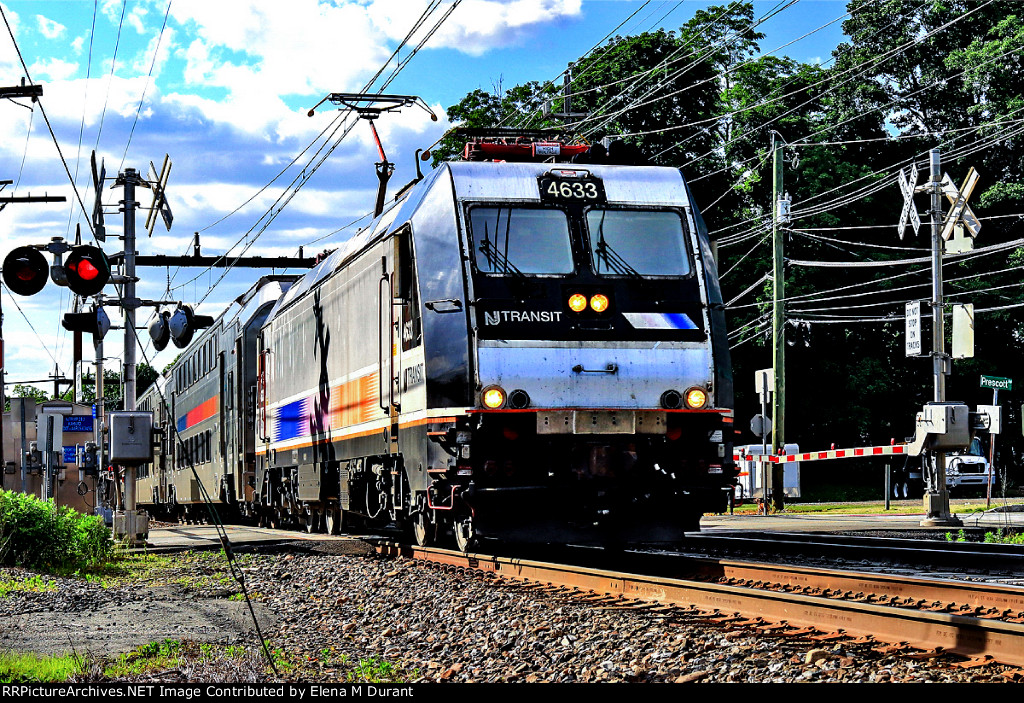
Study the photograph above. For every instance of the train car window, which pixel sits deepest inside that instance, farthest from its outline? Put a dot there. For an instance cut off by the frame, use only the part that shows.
(412, 328)
(637, 243)
(520, 241)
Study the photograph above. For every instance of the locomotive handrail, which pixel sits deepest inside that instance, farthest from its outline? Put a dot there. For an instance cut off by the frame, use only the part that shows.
(454, 302)
(610, 368)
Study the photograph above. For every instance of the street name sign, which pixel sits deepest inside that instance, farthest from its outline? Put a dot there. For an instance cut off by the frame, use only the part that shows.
(997, 383)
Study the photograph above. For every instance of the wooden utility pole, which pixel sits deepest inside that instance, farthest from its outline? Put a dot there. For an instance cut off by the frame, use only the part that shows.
(778, 328)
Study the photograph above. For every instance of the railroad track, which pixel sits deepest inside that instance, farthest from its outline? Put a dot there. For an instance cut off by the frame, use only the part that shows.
(922, 552)
(923, 617)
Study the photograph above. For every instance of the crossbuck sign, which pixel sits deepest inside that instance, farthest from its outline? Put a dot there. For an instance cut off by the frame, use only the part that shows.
(907, 185)
(960, 212)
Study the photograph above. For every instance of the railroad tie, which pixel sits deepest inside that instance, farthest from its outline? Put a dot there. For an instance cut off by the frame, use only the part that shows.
(892, 648)
(803, 632)
(975, 662)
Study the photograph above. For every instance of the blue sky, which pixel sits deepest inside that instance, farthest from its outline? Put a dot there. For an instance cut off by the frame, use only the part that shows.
(224, 90)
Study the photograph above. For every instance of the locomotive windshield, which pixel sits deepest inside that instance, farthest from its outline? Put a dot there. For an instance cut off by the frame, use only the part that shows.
(637, 243)
(520, 240)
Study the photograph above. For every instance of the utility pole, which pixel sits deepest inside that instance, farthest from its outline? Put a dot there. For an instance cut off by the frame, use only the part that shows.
(936, 500)
(129, 180)
(567, 113)
(778, 327)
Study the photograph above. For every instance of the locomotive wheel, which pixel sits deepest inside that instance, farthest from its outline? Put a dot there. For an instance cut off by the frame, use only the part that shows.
(465, 535)
(422, 524)
(332, 520)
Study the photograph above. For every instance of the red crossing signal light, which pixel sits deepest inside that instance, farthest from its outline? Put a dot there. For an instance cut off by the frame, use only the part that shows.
(87, 270)
(25, 270)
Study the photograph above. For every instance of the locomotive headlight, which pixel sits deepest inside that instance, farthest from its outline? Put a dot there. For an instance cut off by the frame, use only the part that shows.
(696, 398)
(577, 302)
(599, 302)
(493, 397)
(518, 399)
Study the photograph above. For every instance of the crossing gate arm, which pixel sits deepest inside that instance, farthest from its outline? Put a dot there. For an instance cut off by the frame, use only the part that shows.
(857, 452)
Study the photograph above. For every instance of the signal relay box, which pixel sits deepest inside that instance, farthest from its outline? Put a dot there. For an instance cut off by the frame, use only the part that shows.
(131, 438)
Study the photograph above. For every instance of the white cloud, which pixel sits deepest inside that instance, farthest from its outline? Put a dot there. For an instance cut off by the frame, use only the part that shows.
(298, 48)
(135, 18)
(477, 26)
(144, 60)
(49, 28)
(54, 70)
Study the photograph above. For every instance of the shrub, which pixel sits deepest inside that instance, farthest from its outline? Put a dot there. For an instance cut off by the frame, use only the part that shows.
(39, 535)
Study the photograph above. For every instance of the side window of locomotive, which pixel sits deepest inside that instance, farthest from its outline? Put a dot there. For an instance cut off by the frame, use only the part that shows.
(637, 243)
(412, 327)
(516, 241)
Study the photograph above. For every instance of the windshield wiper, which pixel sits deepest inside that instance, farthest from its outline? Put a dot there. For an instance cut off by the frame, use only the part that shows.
(498, 260)
(611, 258)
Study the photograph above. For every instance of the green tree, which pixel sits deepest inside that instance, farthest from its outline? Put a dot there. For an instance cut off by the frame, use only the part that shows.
(113, 387)
(22, 390)
(521, 107)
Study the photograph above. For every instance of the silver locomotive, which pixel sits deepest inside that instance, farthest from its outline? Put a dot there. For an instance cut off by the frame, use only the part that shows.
(528, 351)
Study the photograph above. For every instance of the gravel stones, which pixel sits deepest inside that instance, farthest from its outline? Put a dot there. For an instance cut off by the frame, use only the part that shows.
(330, 612)
(441, 624)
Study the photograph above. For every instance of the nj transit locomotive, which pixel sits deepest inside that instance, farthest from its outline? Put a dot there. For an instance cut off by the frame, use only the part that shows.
(519, 350)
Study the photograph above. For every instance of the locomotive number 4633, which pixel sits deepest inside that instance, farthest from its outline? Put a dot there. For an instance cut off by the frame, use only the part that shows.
(575, 189)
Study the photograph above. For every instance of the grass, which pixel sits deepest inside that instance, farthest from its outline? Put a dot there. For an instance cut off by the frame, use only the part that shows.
(147, 659)
(376, 670)
(38, 534)
(877, 508)
(31, 668)
(997, 537)
(33, 584)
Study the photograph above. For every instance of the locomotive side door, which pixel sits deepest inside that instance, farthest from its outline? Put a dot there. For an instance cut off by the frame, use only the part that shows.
(389, 354)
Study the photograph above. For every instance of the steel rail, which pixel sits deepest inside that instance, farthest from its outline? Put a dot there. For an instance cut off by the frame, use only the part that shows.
(932, 552)
(925, 591)
(945, 632)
